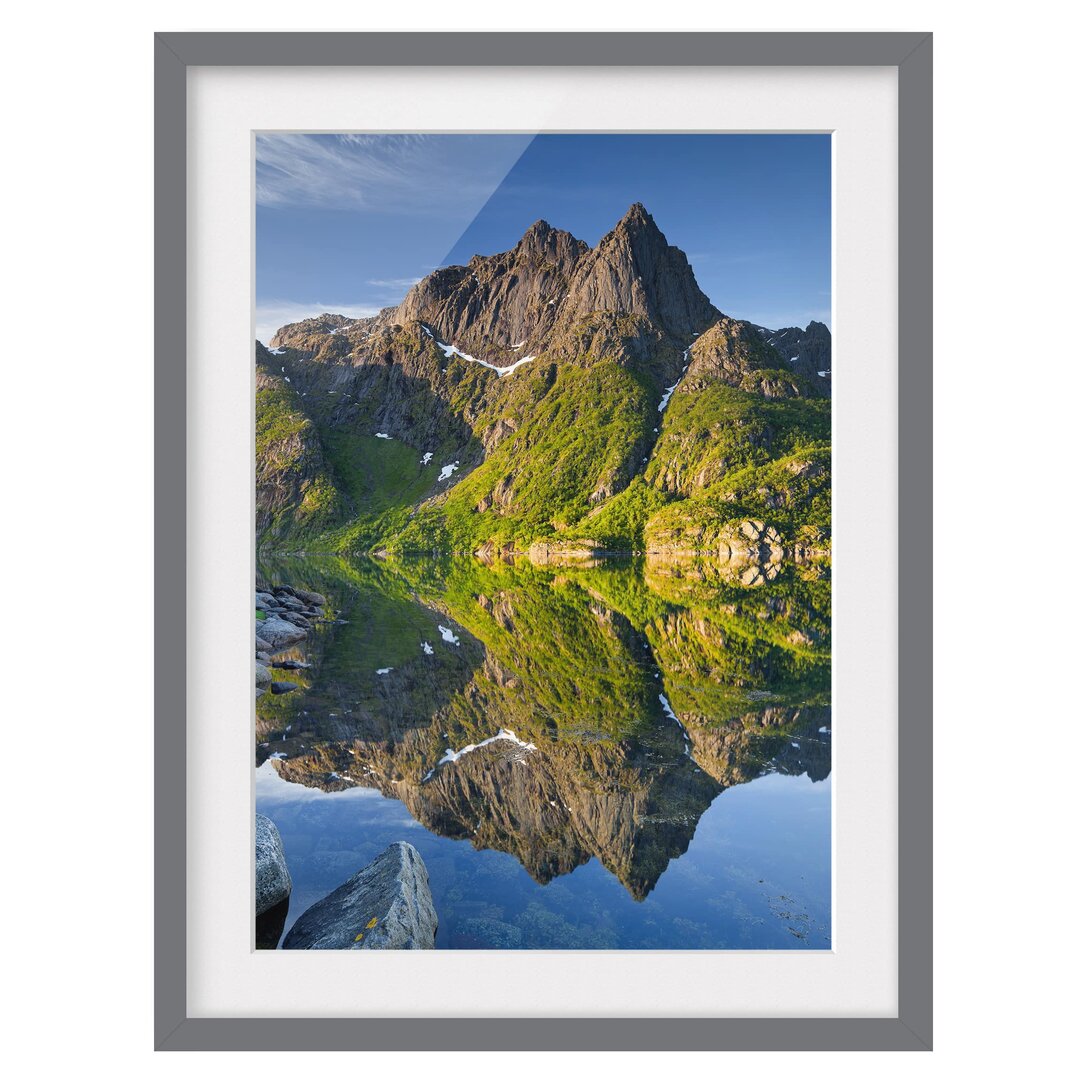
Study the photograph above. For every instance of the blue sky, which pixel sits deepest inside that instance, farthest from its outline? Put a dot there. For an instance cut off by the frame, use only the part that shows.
(345, 223)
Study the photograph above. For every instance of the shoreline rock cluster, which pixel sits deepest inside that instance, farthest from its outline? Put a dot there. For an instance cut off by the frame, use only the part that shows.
(288, 616)
(385, 905)
(754, 549)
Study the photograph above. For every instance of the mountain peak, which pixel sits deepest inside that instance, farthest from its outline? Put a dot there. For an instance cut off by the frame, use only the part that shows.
(634, 269)
(637, 215)
(542, 238)
(550, 278)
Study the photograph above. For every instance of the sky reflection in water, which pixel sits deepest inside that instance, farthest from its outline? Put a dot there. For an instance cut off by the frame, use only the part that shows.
(601, 831)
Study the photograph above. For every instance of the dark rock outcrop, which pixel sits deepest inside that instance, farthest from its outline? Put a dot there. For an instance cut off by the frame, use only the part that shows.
(386, 905)
(805, 352)
(506, 300)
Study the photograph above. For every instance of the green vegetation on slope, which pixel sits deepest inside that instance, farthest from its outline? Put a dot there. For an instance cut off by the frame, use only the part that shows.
(578, 442)
(296, 495)
(557, 453)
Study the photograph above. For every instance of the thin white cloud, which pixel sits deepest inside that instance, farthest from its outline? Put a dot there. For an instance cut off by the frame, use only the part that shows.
(272, 315)
(419, 174)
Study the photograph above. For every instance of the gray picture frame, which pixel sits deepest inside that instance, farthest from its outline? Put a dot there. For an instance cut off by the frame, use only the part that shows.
(911, 55)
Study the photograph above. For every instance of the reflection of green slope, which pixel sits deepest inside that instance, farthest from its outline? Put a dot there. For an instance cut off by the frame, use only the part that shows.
(380, 625)
(724, 647)
(588, 642)
(719, 645)
(562, 659)
(557, 659)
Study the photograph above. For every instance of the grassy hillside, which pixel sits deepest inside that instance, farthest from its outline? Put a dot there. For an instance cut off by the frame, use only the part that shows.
(557, 452)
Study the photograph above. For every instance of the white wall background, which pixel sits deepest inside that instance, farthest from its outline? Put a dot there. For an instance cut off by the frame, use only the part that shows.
(77, 449)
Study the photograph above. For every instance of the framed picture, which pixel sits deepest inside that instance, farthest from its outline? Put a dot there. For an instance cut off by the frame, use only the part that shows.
(557, 634)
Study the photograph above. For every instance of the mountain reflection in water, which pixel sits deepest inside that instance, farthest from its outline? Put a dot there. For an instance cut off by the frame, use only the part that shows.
(566, 716)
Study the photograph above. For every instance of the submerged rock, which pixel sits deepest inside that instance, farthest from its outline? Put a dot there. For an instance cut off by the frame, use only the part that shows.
(482, 933)
(273, 883)
(386, 905)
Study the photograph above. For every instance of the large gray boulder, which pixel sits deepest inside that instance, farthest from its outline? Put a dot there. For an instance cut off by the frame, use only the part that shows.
(278, 633)
(272, 881)
(387, 905)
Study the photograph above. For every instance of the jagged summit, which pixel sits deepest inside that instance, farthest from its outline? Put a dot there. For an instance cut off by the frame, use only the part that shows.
(635, 270)
(545, 240)
(550, 281)
(538, 229)
(637, 217)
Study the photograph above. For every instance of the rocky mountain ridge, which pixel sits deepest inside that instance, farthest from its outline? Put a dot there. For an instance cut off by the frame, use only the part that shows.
(809, 351)
(528, 396)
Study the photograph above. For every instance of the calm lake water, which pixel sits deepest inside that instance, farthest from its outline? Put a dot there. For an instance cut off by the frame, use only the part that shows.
(628, 754)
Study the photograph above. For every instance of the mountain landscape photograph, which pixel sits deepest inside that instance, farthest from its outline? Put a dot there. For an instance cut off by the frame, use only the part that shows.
(542, 460)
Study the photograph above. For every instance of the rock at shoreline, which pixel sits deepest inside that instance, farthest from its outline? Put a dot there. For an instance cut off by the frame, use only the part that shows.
(272, 881)
(282, 687)
(386, 905)
(262, 674)
(296, 619)
(278, 634)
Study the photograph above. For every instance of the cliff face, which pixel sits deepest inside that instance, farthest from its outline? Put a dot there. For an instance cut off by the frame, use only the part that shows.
(634, 270)
(529, 396)
(807, 352)
(506, 301)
